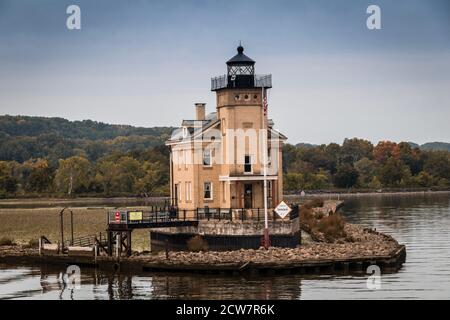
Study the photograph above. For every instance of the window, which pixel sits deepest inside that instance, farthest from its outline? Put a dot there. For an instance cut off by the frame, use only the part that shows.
(188, 190)
(248, 164)
(207, 158)
(208, 195)
(178, 191)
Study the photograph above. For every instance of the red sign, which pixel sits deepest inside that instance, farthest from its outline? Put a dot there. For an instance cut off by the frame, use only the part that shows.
(118, 216)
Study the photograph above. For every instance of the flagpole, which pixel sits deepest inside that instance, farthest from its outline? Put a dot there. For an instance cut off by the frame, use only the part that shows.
(265, 137)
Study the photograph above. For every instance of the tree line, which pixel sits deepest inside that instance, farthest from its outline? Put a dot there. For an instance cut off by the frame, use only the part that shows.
(56, 157)
(144, 172)
(357, 163)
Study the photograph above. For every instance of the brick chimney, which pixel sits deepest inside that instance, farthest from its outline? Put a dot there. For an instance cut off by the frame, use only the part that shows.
(200, 111)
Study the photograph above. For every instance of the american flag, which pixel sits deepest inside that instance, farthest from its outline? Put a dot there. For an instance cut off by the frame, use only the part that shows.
(265, 104)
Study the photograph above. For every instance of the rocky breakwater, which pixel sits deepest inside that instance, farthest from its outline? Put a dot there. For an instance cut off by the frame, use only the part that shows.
(359, 244)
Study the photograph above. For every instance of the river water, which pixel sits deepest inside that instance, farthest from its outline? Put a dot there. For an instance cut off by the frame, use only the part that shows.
(422, 222)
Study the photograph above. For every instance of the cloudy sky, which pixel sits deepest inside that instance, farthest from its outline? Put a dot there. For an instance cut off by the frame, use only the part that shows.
(146, 63)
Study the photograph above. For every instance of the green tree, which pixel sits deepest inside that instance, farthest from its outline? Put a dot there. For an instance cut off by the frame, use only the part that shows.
(8, 183)
(424, 179)
(73, 174)
(346, 176)
(366, 171)
(355, 149)
(438, 164)
(375, 183)
(293, 181)
(393, 172)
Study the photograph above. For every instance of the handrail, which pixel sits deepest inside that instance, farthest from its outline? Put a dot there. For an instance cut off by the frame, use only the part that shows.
(259, 81)
(159, 215)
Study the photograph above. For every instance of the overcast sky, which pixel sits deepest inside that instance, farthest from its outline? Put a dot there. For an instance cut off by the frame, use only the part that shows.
(146, 63)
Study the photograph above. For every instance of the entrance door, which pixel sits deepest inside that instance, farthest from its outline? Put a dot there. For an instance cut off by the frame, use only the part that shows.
(248, 196)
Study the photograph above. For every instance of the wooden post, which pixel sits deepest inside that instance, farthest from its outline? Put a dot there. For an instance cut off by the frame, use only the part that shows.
(129, 243)
(119, 244)
(110, 243)
(62, 229)
(71, 227)
(167, 249)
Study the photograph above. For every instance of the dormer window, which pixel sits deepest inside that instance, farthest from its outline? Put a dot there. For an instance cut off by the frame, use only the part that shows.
(185, 132)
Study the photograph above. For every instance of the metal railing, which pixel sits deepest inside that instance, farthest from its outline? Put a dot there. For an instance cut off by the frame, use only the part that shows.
(156, 215)
(136, 217)
(260, 81)
(87, 241)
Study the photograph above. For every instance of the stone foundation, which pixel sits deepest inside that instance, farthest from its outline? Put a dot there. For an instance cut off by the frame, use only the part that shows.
(228, 235)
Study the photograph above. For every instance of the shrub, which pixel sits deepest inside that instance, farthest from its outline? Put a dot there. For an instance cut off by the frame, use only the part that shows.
(33, 243)
(197, 243)
(332, 227)
(5, 241)
(307, 218)
(314, 203)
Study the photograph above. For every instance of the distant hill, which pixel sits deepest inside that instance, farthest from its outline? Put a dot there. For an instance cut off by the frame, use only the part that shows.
(435, 146)
(305, 145)
(413, 145)
(86, 129)
(24, 137)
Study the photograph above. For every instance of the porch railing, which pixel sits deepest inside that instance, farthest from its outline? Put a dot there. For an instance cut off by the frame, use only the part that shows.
(161, 214)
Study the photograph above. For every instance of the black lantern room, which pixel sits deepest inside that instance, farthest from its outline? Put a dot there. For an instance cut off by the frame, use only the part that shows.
(241, 70)
(241, 74)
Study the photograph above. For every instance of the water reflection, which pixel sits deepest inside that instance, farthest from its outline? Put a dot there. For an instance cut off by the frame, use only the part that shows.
(117, 286)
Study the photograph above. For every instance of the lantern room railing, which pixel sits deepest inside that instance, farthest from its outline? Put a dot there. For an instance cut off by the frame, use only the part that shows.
(259, 81)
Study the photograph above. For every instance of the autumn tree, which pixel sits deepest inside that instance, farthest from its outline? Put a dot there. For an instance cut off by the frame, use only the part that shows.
(39, 175)
(385, 150)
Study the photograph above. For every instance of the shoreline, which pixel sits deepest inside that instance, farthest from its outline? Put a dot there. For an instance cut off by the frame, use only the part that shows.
(62, 202)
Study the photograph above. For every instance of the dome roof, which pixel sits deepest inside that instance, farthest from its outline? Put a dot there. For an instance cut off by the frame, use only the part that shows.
(240, 58)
